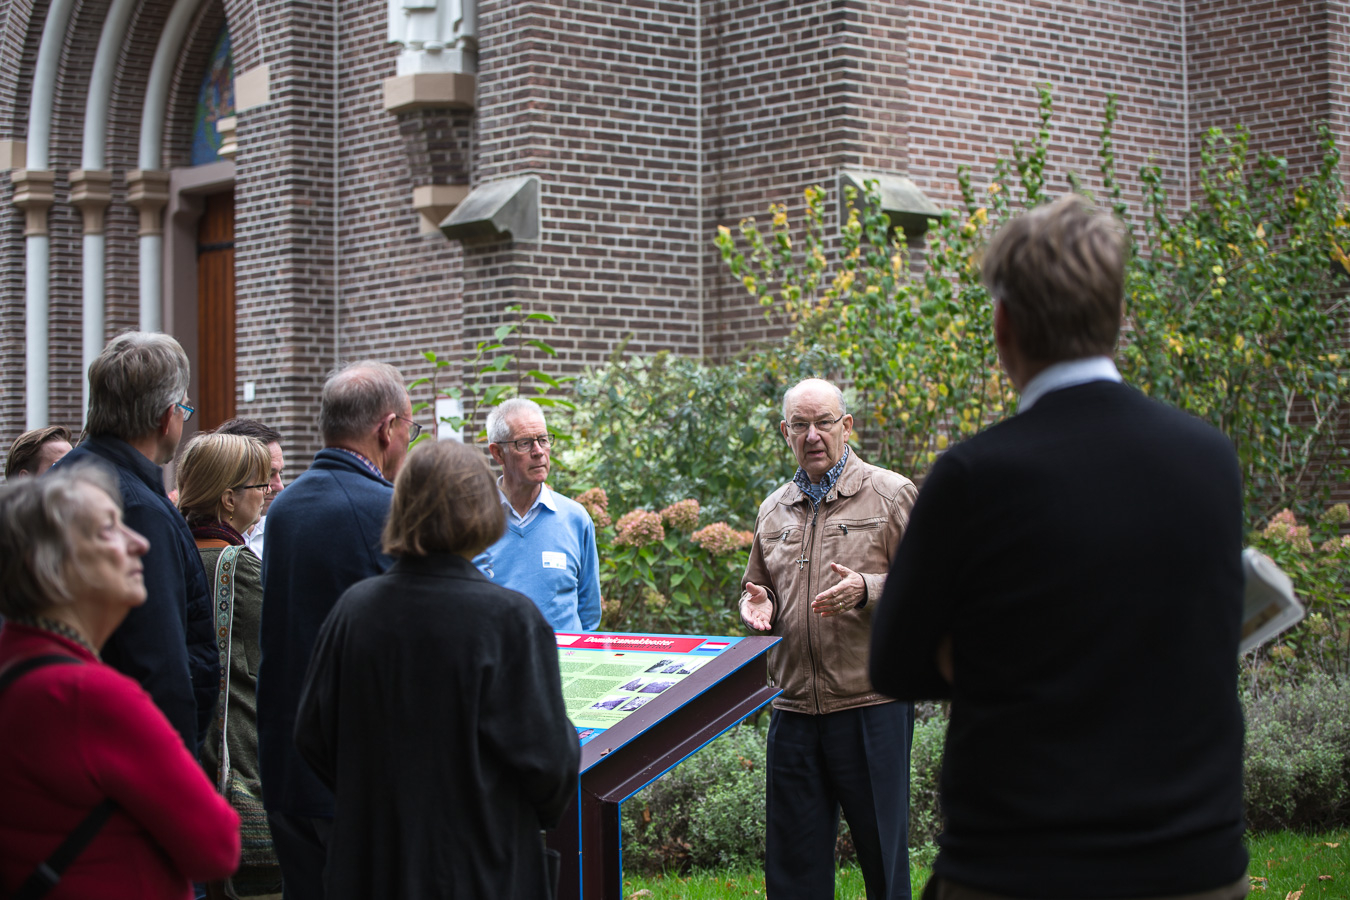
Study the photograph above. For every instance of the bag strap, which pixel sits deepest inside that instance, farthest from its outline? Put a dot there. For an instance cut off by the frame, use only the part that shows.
(13, 673)
(225, 573)
(48, 872)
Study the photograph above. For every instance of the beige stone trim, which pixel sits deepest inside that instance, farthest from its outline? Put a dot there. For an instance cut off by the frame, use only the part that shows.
(148, 191)
(434, 202)
(90, 193)
(13, 154)
(34, 193)
(252, 88)
(429, 90)
(227, 127)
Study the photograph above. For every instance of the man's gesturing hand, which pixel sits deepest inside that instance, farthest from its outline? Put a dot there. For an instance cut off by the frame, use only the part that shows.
(756, 607)
(844, 596)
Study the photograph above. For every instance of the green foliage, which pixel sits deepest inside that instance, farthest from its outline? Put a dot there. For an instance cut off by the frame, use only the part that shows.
(1298, 754)
(661, 573)
(654, 430)
(496, 372)
(925, 765)
(1317, 557)
(1237, 312)
(709, 811)
(706, 813)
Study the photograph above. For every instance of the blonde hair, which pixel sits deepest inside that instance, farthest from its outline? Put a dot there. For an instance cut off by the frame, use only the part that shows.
(1059, 272)
(213, 464)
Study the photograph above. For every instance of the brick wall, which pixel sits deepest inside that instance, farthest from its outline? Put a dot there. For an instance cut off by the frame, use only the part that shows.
(649, 123)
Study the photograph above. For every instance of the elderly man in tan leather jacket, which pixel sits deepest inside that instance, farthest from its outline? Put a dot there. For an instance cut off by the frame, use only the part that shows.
(823, 544)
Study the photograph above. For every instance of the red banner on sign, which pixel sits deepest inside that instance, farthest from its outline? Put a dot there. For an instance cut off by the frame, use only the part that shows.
(653, 643)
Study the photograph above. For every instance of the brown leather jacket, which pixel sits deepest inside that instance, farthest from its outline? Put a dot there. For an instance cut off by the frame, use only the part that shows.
(821, 663)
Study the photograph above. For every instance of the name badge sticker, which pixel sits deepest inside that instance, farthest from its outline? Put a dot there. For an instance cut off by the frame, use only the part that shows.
(554, 559)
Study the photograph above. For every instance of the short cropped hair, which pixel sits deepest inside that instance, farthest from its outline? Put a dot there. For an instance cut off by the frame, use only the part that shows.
(213, 463)
(37, 517)
(23, 453)
(250, 428)
(445, 501)
(1059, 272)
(498, 425)
(134, 380)
(817, 382)
(356, 397)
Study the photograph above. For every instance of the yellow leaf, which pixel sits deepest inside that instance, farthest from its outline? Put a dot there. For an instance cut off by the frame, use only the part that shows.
(1293, 895)
(1238, 342)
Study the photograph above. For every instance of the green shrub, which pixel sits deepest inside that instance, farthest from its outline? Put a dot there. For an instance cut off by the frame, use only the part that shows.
(1298, 755)
(709, 811)
(706, 813)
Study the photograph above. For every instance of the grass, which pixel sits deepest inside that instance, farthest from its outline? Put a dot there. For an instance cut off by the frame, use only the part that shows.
(1285, 866)
(1285, 863)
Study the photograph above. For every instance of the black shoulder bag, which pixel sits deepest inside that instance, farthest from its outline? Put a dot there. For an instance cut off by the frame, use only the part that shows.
(48, 873)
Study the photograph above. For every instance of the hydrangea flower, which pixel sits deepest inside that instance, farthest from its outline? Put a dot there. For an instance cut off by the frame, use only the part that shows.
(596, 502)
(1284, 527)
(639, 528)
(720, 539)
(682, 516)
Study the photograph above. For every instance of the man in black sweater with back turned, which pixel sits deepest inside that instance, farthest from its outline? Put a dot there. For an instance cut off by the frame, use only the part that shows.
(1071, 579)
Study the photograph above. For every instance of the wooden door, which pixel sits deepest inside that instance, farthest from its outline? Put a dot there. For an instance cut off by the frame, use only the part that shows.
(215, 311)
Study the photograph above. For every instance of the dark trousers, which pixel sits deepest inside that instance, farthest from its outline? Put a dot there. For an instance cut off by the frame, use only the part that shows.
(301, 843)
(857, 760)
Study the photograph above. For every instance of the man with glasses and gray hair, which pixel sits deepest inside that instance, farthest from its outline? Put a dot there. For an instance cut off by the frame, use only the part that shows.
(324, 535)
(137, 409)
(548, 550)
(823, 543)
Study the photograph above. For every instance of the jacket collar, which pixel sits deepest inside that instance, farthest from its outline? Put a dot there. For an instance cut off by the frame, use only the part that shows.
(446, 565)
(331, 458)
(126, 457)
(848, 483)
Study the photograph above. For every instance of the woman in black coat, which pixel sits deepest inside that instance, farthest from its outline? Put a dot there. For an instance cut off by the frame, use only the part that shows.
(433, 706)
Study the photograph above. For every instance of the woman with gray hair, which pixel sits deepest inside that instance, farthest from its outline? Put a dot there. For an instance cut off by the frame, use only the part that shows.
(433, 706)
(98, 795)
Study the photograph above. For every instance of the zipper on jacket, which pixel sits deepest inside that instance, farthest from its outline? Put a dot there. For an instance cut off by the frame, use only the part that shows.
(811, 622)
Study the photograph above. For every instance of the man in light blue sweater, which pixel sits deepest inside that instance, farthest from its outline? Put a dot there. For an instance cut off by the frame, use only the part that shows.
(548, 550)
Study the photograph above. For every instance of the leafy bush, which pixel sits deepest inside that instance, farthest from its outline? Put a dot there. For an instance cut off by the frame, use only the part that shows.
(660, 572)
(706, 813)
(1317, 557)
(709, 811)
(654, 430)
(1235, 308)
(1297, 763)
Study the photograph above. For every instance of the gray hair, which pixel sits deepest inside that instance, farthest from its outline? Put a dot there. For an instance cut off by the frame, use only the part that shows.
(37, 516)
(813, 382)
(356, 397)
(498, 428)
(134, 380)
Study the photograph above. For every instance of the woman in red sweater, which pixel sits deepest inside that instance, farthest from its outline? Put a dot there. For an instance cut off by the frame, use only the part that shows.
(77, 733)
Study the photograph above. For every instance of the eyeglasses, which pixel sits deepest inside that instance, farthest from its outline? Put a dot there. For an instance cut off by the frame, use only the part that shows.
(823, 426)
(414, 429)
(265, 488)
(187, 410)
(523, 445)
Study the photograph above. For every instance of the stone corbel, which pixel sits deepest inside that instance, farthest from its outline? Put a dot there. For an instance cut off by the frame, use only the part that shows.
(90, 193)
(148, 191)
(434, 202)
(228, 129)
(34, 193)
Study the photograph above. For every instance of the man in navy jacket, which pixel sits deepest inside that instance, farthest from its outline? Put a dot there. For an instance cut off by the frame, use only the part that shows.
(1071, 580)
(323, 536)
(137, 407)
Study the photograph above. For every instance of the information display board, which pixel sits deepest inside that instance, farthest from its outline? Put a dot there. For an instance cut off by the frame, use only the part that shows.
(606, 676)
(641, 703)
